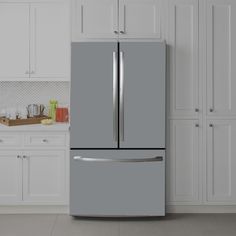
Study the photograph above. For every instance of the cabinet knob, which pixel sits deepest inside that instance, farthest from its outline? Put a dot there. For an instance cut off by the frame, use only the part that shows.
(18, 156)
(45, 140)
(211, 109)
(122, 32)
(24, 157)
(197, 125)
(115, 31)
(211, 125)
(196, 110)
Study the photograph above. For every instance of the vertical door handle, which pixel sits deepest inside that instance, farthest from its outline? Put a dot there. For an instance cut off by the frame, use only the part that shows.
(121, 102)
(115, 96)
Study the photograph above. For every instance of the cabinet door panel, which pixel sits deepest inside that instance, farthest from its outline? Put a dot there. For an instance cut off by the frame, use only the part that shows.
(221, 162)
(221, 57)
(44, 176)
(10, 177)
(139, 19)
(96, 19)
(50, 44)
(183, 161)
(14, 41)
(183, 58)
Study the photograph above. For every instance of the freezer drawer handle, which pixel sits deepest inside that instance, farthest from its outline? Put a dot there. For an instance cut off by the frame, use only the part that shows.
(152, 159)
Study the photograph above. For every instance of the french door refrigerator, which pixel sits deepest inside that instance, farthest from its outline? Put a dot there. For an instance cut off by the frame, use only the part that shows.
(117, 161)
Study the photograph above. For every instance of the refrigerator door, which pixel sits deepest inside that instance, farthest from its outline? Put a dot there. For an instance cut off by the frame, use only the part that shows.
(94, 95)
(142, 95)
(117, 183)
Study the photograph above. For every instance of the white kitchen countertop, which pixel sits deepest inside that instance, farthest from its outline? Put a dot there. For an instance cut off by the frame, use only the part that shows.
(37, 127)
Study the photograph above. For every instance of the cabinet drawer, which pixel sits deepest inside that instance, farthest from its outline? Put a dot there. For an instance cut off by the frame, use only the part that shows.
(44, 140)
(9, 140)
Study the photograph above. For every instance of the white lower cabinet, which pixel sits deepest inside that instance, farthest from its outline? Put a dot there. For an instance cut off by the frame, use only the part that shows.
(10, 177)
(183, 162)
(34, 175)
(44, 176)
(221, 161)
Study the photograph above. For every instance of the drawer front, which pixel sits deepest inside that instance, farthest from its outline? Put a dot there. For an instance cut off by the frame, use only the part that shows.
(44, 140)
(9, 140)
(117, 183)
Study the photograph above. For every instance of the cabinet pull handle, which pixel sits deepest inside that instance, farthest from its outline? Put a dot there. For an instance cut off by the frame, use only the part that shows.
(122, 32)
(115, 31)
(197, 125)
(211, 109)
(45, 140)
(196, 110)
(211, 125)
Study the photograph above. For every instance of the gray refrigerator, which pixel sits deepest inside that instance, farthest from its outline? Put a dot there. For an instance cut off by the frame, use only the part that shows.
(117, 161)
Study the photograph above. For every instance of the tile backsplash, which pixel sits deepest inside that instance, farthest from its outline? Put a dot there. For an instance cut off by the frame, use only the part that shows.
(13, 94)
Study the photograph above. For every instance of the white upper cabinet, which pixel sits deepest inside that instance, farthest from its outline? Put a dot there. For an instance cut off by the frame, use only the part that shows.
(49, 41)
(182, 40)
(183, 183)
(221, 161)
(112, 19)
(221, 57)
(139, 19)
(34, 42)
(14, 41)
(95, 18)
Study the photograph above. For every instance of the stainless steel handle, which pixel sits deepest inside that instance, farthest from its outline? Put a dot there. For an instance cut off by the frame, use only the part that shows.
(149, 159)
(115, 96)
(121, 102)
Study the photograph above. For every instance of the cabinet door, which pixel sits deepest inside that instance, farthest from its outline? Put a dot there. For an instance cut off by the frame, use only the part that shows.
(95, 19)
(139, 19)
(44, 176)
(14, 41)
(10, 177)
(142, 95)
(221, 57)
(50, 44)
(183, 162)
(221, 161)
(183, 58)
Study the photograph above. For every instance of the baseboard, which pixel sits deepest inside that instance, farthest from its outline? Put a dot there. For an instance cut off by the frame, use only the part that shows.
(201, 209)
(34, 209)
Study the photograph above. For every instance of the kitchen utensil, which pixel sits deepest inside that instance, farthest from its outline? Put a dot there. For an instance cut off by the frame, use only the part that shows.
(33, 110)
(41, 109)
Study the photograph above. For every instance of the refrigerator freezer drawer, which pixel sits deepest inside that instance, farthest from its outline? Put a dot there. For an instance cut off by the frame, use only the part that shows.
(117, 183)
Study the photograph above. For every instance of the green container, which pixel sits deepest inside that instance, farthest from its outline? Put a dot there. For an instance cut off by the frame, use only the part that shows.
(52, 109)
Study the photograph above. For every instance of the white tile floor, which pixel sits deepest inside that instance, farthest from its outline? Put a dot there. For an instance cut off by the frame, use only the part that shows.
(171, 225)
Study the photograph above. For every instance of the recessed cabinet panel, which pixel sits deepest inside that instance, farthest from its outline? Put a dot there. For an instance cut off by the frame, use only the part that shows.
(50, 47)
(96, 18)
(183, 58)
(44, 176)
(10, 177)
(221, 57)
(139, 19)
(14, 41)
(221, 162)
(183, 161)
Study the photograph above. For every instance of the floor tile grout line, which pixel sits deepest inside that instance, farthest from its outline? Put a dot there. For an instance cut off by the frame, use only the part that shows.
(54, 225)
